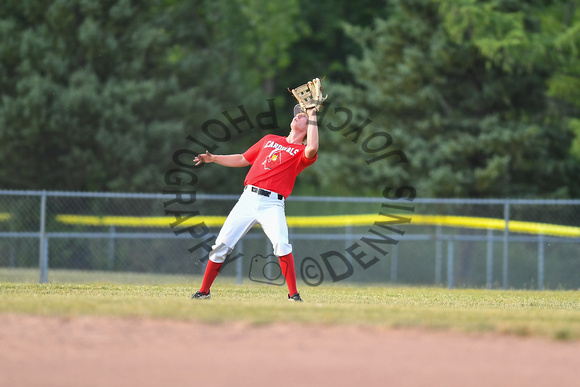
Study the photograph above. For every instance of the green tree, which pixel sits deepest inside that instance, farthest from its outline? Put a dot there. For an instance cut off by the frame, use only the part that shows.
(472, 121)
(81, 106)
(541, 36)
(229, 54)
(97, 95)
(323, 46)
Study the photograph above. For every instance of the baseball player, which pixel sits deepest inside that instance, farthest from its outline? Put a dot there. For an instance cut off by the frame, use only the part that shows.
(275, 162)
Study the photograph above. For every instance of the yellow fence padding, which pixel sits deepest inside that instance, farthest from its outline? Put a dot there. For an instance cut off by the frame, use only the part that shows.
(334, 221)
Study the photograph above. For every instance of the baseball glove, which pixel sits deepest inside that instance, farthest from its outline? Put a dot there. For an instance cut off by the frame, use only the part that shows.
(309, 95)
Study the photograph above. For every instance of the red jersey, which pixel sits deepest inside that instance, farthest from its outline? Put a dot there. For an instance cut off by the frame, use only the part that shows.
(275, 164)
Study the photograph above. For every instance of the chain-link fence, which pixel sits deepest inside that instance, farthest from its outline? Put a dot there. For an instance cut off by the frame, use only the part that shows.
(518, 244)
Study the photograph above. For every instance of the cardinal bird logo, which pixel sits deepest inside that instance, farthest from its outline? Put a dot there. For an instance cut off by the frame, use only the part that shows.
(273, 159)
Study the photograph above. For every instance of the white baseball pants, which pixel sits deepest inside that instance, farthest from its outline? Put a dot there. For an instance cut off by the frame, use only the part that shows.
(252, 209)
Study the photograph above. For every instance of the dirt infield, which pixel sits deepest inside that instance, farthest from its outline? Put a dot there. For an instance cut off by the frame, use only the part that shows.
(88, 351)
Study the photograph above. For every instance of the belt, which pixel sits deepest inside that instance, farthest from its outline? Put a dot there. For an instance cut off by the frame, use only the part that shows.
(263, 192)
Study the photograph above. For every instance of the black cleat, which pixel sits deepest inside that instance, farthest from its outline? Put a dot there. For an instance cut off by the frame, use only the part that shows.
(204, 296)
(295, 298)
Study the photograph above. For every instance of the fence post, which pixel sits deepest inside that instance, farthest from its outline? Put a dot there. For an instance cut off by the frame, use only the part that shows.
(43, 249)
(450, 264)
(111, 264)
(489, 263)
(394, 264)
(540, 262)
(12, 256)
(506, 216)
(347, 242)
(438, 255)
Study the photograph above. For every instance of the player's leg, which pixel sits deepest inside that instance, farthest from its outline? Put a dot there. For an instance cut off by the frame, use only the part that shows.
(289, 271)
(239, 221)
(272, 218)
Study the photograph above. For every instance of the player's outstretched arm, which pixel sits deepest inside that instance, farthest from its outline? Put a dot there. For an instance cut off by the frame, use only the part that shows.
(312, 146)
(237, 160)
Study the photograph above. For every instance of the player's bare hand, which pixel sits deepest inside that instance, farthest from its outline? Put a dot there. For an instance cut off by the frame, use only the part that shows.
(203, 158)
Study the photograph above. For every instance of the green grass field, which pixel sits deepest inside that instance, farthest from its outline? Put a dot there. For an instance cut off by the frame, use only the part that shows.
(550, 314)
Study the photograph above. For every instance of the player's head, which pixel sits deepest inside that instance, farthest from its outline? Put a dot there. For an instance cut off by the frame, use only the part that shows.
(299, 123)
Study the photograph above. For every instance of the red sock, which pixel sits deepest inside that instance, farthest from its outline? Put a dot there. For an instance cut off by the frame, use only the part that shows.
(287, 266)
(211, 271)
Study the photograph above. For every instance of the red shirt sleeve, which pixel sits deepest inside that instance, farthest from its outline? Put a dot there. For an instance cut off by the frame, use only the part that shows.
(252, 153)
(307, 162)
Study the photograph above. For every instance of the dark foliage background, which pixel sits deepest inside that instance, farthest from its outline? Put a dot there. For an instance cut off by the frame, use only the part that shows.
(482, 98)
